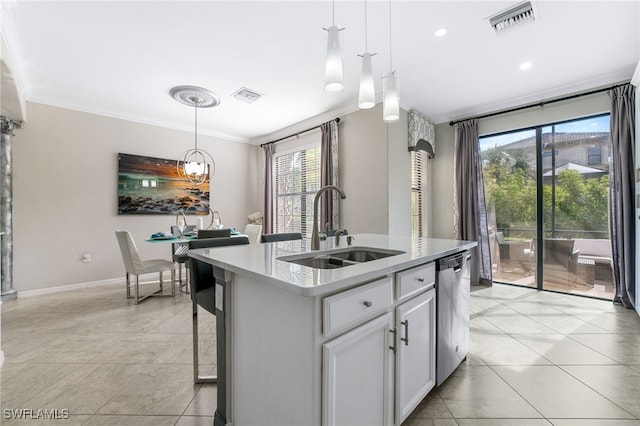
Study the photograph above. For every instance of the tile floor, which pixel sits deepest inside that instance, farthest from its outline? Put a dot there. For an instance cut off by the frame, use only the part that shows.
(536, 358)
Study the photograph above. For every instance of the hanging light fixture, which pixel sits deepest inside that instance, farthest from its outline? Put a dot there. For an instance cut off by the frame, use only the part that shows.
(391, 105)
(367, 95)
(195, 165)
(390, 102)
(333, 73)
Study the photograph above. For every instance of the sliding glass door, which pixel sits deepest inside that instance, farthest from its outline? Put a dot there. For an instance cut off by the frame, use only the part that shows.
(551, 184)
(509, 167)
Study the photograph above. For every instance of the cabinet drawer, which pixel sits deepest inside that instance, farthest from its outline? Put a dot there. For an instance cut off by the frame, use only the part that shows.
(415, 279)
(352, 306)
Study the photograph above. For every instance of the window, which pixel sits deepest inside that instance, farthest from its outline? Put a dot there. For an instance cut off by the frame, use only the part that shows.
(297, 179)
(595, 155)
(418, 193)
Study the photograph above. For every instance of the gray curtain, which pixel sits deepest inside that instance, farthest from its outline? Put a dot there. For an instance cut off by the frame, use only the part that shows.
(472, 214)
(267, 224)
(328, 174)
(622, 192)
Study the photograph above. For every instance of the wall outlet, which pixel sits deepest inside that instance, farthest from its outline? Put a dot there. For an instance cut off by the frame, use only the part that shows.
(86, 257)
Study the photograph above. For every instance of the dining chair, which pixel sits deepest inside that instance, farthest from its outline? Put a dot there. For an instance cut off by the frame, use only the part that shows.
(180, 252)
(283, 236)
(180, 257)
(203, 295)
(213, 233)
(253, 232)
(134, 265)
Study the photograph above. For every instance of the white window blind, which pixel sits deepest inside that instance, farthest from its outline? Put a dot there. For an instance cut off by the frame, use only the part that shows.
(419, 193)
(297, 179)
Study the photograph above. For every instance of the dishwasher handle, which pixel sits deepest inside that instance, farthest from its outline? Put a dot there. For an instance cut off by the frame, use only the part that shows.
(455, 262)
(466, 259)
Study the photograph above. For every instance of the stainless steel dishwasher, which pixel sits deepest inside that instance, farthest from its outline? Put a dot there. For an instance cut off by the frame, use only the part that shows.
(453, 292)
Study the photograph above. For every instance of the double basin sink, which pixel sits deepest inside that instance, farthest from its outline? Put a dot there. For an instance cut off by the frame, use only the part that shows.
(339, 258)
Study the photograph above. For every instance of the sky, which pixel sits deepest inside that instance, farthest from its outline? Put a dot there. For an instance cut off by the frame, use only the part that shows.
(592, 124)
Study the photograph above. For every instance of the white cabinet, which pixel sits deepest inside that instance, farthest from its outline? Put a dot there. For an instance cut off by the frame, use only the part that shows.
(346, 309)
(415, 280)
(378, 372)
(415, 353)
(357, 375)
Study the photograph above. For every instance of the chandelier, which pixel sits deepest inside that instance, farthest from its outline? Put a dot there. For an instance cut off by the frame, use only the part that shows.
(195, 165)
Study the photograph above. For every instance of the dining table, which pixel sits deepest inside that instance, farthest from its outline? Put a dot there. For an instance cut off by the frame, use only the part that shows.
(179, 249)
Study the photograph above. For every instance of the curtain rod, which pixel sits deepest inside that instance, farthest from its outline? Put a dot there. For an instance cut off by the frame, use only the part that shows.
(539, 104)
(337, 120)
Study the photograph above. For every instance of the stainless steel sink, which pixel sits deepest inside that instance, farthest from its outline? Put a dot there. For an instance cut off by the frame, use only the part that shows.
(339, 258)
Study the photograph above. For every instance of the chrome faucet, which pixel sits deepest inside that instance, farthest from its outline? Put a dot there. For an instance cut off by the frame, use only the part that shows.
(338, 233)
(315, 239)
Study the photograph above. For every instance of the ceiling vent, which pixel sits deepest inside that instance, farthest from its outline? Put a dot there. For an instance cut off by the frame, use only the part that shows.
(511, 18)
(246, 95)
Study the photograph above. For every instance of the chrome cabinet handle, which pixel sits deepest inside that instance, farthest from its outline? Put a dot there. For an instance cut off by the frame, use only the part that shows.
(393, 347)
(405, 339)
(368, 304)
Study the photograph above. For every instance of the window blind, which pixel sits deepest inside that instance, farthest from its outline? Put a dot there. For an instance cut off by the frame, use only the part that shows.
(419, 193)
(297, 179)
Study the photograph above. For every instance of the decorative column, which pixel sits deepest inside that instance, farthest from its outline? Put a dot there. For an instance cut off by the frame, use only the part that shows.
(7, 126)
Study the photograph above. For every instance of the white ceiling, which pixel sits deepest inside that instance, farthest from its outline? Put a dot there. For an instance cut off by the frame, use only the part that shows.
(121, 58)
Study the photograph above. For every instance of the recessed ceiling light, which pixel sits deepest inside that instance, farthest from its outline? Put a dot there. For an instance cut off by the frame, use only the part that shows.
(440, 32)
(525, 66)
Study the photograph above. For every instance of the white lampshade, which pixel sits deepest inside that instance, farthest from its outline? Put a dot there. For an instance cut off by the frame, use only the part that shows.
(391, 104)
(367, 97)
(195, 168)
(333, 66)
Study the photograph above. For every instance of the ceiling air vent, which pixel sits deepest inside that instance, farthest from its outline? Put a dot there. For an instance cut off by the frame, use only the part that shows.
(515, 16)
(246, 95)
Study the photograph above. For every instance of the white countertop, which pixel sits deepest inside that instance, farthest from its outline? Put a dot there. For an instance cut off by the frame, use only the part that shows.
(260, 261)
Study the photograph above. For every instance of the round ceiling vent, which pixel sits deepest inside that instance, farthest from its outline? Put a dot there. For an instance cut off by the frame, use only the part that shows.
(195, 96)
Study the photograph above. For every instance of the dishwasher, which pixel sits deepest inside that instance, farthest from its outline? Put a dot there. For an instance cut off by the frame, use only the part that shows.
(453, 292)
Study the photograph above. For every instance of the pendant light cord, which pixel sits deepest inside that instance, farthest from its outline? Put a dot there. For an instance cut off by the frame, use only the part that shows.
(196, 120)
(390, 50)
(333, 13)
(366, 44)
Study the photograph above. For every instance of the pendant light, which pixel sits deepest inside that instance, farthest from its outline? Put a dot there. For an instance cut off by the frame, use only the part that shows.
(390, 102)
(195, 165)
(367, 94)
(333, 70)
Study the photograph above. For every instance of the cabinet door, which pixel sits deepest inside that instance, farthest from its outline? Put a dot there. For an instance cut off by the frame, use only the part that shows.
(357, 375)
(416, 352)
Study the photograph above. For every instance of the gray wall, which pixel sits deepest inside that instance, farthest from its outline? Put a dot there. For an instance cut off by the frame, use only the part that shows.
(65, 193)
(375, 173)
(364, 171)
(399, 163)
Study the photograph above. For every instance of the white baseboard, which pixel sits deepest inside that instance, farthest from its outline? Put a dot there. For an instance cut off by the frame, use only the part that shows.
(43, 291)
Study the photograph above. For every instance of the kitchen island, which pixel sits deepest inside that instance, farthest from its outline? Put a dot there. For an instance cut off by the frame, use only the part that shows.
(351, 344)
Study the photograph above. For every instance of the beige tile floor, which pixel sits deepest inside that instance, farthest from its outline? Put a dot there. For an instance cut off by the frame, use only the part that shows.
(536, 358)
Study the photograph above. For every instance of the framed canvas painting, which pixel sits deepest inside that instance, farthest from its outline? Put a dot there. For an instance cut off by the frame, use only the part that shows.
(149, 185)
